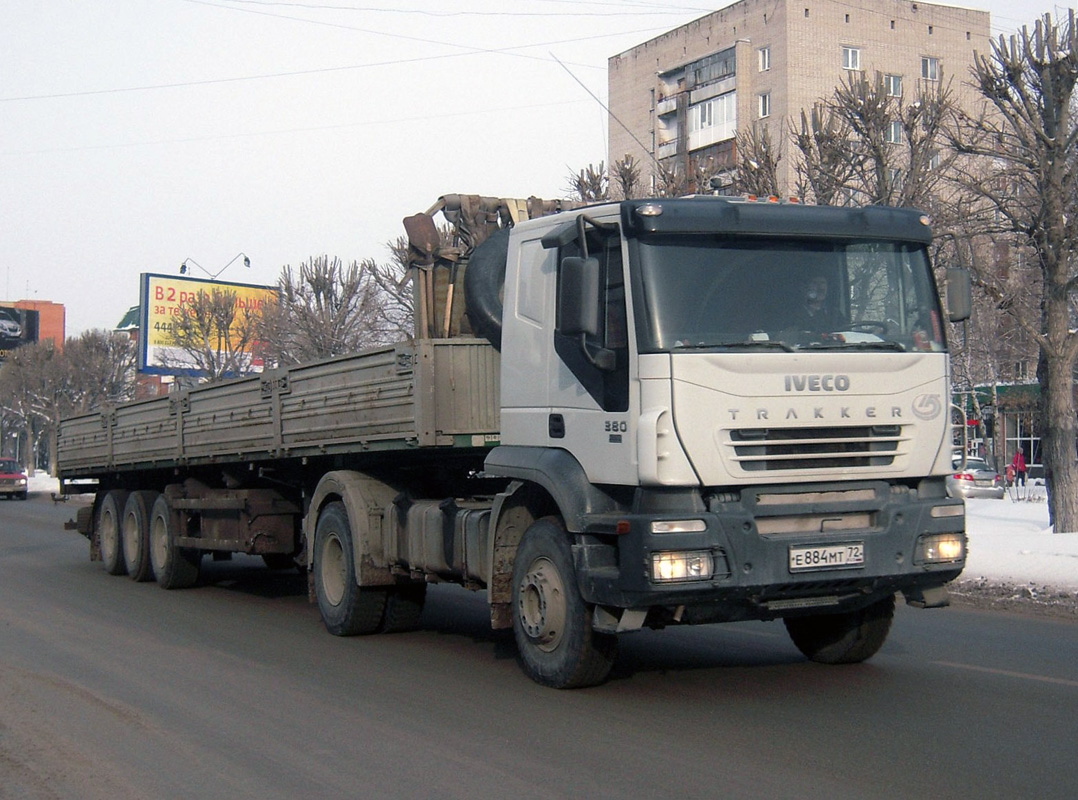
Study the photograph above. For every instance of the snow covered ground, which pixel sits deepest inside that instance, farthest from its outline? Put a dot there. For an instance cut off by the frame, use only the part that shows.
(1010, 543)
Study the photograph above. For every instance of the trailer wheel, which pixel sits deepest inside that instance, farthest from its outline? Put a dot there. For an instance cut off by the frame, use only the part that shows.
(848, 638)
(109, 531)
(404, 607)
(174, 567)
(551, 622)
(136, 535)
(347, 608)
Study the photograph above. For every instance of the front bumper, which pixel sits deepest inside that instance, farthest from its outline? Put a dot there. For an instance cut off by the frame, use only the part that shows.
(755, 539)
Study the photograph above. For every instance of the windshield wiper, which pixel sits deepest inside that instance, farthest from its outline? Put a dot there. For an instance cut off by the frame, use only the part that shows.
(748, 344)
(880, 345)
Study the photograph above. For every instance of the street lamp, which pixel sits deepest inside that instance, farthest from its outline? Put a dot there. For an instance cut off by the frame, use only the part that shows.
(185, 266)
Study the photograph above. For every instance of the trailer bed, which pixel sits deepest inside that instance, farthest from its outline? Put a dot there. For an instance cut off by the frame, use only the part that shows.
(429, 394)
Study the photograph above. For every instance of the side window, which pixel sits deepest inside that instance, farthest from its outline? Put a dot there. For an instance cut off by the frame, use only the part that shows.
(609, 388)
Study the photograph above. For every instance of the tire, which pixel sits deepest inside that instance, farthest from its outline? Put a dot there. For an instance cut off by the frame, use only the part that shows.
(136, 535)
(174, 567)
(109, 531)
(848, 638)
(21, 495)
(484, 280)
(347, 609)
(404, 608)
(551, 622)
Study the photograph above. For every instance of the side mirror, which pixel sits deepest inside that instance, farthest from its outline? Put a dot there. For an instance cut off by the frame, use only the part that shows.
(578, 308)
(959, 294)
(578, 297)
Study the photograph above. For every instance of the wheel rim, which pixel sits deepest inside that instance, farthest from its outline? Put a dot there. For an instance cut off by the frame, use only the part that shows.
(541, 604)
(158, 541)
(131, 535)
(333, 569)
(110, 539)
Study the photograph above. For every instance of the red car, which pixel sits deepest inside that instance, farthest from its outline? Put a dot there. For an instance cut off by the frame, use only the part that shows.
(12, 479)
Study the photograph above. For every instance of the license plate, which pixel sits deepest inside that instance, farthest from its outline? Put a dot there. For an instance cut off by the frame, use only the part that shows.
(827, 556)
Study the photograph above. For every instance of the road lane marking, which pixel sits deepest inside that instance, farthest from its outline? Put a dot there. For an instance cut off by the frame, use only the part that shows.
(1009, 673)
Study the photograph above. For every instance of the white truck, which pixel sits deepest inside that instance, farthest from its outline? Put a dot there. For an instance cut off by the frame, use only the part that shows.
(644, 413)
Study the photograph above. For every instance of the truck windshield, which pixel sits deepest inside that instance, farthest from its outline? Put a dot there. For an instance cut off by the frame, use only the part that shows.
(776, 295)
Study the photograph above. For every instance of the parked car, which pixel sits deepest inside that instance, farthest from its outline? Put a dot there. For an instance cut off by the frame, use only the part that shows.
(976, 479)
(12, 479)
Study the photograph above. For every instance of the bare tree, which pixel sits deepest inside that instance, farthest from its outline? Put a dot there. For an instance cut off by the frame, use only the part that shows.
(758, 163)
(28, 395)
(590, 185)
(626, 177)
(1029, 135)
(40, 384)
(96, 368)
(216, 335)
(825, 167)
(326, 309)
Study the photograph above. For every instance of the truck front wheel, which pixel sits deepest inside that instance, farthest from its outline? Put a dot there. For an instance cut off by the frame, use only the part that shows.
(551, 622)
(347, 609)
(109, 531)
(843, 638)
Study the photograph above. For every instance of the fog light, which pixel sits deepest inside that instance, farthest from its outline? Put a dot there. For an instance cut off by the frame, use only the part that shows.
(678, 526)
(689, 566)
(940, 548)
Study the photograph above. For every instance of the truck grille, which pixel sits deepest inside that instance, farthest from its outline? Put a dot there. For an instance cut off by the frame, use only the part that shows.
(776, 449)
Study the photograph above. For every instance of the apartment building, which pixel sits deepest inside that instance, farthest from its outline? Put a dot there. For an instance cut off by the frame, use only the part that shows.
(680, 98)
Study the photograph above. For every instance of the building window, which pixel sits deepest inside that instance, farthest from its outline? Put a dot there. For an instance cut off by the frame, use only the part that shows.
(765, 105)
(713, 120)
(930, 68)
(765, 58)
(894, 132)
(893, 85)
(934, 160)
(851, 58)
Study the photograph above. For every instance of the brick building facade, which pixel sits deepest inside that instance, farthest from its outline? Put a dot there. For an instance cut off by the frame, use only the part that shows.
(680, 97)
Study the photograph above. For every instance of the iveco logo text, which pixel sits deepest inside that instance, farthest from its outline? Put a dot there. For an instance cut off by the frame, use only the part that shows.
(817, 383)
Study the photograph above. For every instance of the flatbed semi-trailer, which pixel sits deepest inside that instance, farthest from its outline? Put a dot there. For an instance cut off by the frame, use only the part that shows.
(627, 423)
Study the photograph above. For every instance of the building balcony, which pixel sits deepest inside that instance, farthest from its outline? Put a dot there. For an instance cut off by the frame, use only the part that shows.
(667, 105)
(667, 149)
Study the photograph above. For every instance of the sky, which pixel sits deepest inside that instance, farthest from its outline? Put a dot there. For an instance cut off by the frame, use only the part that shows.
(138, 134)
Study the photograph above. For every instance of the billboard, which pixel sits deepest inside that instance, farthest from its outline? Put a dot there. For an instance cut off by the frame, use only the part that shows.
(162, 300)
(18, 326)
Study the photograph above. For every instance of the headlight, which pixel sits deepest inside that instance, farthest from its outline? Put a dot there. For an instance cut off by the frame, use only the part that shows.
(696, 565)
(940, 548)
(678, 526)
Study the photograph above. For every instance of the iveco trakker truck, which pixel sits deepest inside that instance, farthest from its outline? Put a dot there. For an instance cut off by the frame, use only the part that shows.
(635, 414)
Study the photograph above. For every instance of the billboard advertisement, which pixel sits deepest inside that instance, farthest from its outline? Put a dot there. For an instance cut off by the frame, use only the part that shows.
(162, 301)
(18, 326)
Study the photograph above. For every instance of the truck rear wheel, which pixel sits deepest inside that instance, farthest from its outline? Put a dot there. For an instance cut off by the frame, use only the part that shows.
(109, 531)
(136, 535)
(174, 567)
(347, 609)
(843, 638)
(551, 622)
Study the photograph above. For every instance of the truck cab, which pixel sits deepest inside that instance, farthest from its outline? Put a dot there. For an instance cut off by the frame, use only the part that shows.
(739, 410)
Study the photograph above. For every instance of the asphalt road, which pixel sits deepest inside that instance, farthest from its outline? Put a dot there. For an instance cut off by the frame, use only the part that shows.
(112, 689)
